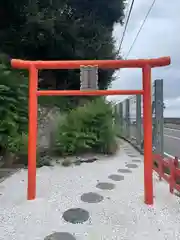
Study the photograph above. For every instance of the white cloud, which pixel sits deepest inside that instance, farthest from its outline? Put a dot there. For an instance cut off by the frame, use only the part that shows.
(172, 107)
(159, 37)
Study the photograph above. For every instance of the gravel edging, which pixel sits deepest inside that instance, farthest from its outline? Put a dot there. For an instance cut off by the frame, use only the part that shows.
(9, 173)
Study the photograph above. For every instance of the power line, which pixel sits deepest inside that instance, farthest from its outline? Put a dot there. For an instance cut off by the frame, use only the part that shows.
(152, 5)
(124, 32)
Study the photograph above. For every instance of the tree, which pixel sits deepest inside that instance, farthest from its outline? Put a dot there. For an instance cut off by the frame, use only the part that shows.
(61, 29)
(13, 108)
(106, 12)
(50, 30)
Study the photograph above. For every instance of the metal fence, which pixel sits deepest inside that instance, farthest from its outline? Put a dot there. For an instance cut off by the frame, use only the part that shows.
(130, 118)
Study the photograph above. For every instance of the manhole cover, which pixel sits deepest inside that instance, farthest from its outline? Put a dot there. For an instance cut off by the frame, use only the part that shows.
(132, 165)
(91, 197)
(116, 177)
(76, 215)
(60, 236)
(105, 186)
(124, 170)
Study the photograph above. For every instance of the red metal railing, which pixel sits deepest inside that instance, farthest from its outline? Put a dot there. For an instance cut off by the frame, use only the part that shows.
(169, 170)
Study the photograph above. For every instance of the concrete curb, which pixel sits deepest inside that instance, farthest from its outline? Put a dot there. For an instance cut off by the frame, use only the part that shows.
(134, 145)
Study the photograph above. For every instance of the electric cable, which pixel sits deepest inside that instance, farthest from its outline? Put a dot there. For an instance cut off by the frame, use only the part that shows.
(135, 39)
(125, 28)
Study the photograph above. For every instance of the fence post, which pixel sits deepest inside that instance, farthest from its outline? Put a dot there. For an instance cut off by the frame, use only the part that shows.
(159, 118)
(176, 162)
(120, 117)
(160, 166)
(127, 119)
(138, 119)
(116, 114)
(172, 175)
(124, 127)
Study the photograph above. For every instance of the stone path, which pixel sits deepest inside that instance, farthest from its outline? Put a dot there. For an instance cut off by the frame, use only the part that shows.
(98, 201)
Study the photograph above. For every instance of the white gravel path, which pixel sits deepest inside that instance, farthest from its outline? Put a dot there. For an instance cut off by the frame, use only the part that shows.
(122, 215)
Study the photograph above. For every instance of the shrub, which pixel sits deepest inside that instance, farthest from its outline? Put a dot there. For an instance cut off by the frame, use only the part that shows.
(87, 128)
(18, 146)
(13, 107)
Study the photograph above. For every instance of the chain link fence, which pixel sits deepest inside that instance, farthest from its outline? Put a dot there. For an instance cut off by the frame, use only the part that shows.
(130, 119)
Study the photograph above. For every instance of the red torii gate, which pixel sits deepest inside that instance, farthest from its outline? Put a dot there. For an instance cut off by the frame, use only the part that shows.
(144, 64)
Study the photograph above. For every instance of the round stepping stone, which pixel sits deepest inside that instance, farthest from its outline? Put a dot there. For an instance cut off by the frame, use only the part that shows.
(116, 177)
(124, 170)
(76, 215)
(105, 186)
(60, 236)
(131, 165)
(137, 161)
(132, 155)
(91, 197)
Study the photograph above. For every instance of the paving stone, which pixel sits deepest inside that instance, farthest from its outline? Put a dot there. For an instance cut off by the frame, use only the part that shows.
(91, 197)
(60, 236)
(76, 215)
(105, 186)
(116, 177)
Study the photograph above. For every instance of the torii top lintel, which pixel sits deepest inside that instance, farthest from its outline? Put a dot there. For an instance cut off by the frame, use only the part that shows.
(103, 64)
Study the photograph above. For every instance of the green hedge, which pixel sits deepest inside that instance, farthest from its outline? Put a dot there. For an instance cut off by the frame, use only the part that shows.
(87, 128)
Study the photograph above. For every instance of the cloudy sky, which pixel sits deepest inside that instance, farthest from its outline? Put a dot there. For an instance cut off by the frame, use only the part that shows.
(159, 37)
